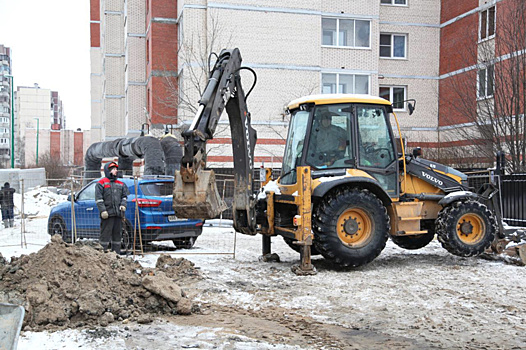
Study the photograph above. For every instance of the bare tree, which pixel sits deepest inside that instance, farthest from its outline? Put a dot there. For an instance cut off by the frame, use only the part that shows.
(491, 94)
(55, 168)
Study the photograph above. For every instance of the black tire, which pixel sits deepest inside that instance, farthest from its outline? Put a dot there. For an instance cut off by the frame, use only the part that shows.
(295, 247)
(416, 241)
(185, 242)
(58, 227)
(466, 228)
(126, 237)
(340, 217)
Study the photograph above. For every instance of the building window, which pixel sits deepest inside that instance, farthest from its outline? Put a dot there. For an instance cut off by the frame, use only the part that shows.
(346, 83)
(486, 77)
(487, 23)
(4, 120)
(147, 51)
(393, 45)
(4, 141)
(394, 2)
(395, 94)
(351, 32)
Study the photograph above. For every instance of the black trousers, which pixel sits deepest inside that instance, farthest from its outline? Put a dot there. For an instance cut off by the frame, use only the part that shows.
(111, 230)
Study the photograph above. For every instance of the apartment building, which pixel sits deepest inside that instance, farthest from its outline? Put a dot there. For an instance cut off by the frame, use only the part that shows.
(40, 124)
(388, 48)
(396, 49)
(5, 106)
(133, 52)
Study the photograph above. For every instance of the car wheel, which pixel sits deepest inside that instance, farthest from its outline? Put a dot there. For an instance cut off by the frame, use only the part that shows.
(57, 227)
(185, 242)
(126, 237)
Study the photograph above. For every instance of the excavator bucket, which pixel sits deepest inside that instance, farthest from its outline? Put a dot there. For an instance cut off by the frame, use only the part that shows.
(197, 197)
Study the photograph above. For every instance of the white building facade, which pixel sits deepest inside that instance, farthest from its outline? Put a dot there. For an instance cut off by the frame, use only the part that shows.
(387, 48)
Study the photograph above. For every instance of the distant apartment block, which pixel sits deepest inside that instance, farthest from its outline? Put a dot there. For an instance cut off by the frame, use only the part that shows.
(5, 106)
(40, 111)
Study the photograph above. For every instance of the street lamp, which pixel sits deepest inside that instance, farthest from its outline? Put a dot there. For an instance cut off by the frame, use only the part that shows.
(38, 128)
(12, 121)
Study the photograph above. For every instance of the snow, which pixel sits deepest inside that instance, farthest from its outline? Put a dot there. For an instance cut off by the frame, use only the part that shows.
(427, 297)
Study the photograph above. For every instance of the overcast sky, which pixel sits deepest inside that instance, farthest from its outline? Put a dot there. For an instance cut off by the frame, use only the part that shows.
(50, 46)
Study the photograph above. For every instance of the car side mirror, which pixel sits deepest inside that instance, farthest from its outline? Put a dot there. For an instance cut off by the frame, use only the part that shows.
(69, 197)
(417, 152)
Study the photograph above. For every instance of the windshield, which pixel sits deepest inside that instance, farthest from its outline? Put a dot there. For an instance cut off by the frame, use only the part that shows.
(293, 149)
(329, 141)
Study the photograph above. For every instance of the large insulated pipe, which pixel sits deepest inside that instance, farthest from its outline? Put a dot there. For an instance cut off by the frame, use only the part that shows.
(146, 147)
(173, 153)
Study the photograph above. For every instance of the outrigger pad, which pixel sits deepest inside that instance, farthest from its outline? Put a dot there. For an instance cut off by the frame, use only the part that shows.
(199, 199)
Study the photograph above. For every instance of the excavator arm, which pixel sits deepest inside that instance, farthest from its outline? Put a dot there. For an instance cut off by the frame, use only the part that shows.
(195, 191)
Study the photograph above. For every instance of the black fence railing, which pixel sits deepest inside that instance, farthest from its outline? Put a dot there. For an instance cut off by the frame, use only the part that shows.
(513, 199)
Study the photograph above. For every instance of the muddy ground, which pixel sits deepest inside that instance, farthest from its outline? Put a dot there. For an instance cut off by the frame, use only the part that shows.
(402, 300)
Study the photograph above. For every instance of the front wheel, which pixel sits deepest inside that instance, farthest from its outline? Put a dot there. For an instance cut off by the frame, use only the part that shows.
(58, 227)
(351, 227)
(466, 228)
(126, 237)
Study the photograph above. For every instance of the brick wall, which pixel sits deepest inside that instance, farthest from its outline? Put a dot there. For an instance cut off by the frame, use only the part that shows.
(54, 142)
(78, 148)
(161, 46)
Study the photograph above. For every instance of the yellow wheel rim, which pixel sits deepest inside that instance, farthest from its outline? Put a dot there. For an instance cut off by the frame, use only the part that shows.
(354, 227)
(471, 228)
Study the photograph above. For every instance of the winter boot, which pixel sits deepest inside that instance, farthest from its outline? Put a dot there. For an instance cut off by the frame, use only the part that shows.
(116, 247)
(6, 223)
(11, 222)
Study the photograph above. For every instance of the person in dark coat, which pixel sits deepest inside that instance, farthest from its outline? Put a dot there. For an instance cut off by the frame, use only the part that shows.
(6, 202)
(111, 197)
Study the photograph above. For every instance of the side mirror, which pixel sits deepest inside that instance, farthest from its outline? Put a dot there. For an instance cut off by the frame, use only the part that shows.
(69, 197)
(417, 152)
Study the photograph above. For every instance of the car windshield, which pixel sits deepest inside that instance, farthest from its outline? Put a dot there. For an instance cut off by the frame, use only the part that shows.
(157, 189)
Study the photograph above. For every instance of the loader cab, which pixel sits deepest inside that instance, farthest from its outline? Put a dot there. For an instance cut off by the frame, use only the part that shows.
(332, 133)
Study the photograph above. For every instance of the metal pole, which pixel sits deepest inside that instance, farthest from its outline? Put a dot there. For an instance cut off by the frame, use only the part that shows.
(38, 128)
(22, 216)
(12, 121)
(73, 219)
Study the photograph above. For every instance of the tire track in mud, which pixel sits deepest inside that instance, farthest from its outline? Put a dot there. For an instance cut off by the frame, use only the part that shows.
(281, 326)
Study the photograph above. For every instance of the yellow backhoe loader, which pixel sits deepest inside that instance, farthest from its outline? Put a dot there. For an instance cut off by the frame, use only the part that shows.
(345, 188)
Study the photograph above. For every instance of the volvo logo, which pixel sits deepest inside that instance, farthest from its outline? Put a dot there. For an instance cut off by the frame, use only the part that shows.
(432, 178)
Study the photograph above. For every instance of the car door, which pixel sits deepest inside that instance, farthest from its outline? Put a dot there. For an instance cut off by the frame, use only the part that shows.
(87, 214)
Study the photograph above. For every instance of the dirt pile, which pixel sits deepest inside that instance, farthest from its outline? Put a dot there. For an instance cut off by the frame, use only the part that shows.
(65, 285)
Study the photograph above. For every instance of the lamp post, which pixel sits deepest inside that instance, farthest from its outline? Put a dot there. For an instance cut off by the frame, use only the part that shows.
(12, 121)
(38, 128)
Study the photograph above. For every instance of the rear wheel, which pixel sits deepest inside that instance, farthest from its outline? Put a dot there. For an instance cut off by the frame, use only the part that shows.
(185, 242)
(350, 227)
(295, 247)
(466, 228)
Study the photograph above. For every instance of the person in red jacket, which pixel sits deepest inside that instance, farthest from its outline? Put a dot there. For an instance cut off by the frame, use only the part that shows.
(111, 196)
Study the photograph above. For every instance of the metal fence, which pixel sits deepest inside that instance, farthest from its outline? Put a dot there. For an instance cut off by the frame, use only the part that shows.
(513, 199)
(512, 194)
(148, 226)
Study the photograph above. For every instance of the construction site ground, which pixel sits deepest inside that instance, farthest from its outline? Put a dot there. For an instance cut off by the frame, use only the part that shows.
(402, 300)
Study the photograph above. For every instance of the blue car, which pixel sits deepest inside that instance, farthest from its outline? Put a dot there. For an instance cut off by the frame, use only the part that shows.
(153, 204)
